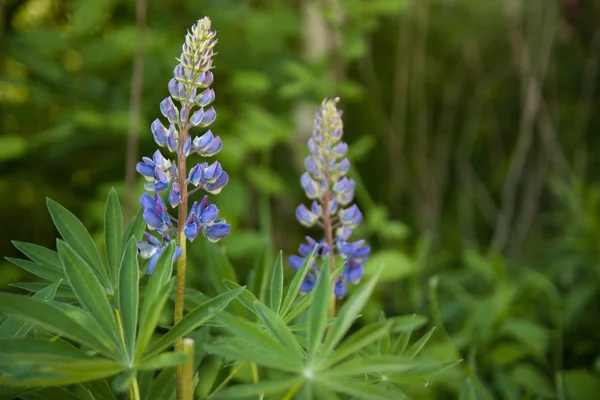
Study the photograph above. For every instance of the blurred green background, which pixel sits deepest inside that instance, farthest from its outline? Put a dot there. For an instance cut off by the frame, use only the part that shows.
(472, 127)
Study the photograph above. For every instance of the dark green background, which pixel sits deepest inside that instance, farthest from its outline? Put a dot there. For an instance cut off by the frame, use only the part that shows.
(472, 126)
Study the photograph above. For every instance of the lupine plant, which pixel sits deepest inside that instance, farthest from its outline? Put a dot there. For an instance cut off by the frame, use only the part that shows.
(92, 328)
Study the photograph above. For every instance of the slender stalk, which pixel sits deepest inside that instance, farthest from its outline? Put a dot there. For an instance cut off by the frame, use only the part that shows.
(135, 390)
(289, 395)
(188, 370)
(226, 380)
(181, 242)
(329, 238)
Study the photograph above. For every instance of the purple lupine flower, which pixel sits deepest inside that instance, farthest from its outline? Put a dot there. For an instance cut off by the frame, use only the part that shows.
(187, 106)
(332, 193)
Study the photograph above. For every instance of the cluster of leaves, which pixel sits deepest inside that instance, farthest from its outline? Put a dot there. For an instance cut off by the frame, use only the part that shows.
(91, 328)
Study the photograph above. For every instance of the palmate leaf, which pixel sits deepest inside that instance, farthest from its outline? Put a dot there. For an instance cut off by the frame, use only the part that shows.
(58, 318)
(387, 365)
(247, 298)
(13, 327)
(129, 295)
(113, 228)
(238, 350)
(89, 292)
(40, 255)
(80, 240)
(416, 348)
(357, 389)
(37, 269)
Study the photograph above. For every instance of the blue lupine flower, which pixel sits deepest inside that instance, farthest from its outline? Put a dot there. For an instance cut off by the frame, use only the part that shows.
(189, 88)
(325, 183)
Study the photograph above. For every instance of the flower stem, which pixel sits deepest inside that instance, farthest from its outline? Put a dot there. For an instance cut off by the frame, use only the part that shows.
(329, 238)
(181, 242)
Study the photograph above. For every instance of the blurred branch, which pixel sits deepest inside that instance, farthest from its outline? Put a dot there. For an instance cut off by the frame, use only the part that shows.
(135, 106)
(531, 95)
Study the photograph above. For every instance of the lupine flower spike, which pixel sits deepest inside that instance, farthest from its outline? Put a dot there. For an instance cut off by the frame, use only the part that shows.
(187, 106)
(331, 193)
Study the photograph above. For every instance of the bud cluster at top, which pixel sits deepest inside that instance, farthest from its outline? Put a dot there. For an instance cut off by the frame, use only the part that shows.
(332, 193)
(190, 88)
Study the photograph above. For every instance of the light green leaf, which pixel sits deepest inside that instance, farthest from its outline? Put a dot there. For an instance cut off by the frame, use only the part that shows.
(75, 234)
(48, 316)
(295, 286)
(37, 269)
(407, 323)
(113, 227)
(129, 295)
(63, 290)
(348, 313)
(149, 319)
(12, 327)
(276, 289)
(357, 341)
(279, 329)
(416, 348)
(395, 265)
(194, 319)
(243, 351)
(40, 255)
(88, 290)
(317, 315)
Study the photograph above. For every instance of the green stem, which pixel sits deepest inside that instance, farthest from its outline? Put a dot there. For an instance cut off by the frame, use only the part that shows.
(289, 395)
(135, 390)
(188, 370)
(329, 238)
(181, 242)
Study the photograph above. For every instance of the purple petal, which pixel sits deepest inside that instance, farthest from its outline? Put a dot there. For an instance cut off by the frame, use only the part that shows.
(217, 231)
(147, 201)
(173, 196)
(159, 132)
(304, 216)
(209, 117)
(154, 260)
(340, 290)
(152, 218)
(219, 184)
(191, 231)
(153, 240)
(197, 117)
(146, 250)
(206, 97)
(195, 174)
(296, 262)
(209, 214)
(355, 274)
(204, 141)
(168, 109)
(214, 148)
(145, 169)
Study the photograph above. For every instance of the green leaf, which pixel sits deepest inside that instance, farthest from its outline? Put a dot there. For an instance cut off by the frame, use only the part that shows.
(295, 285)
(357, 341)
(401, 343)
(396, 266)
(155, 297)
(124, 380)
(302, 305)
(34, 362)
(254, 389)
(135, 227)
(12, 327)
(88, 290)
(194, 319)
(37, 269)
(113, 227)
(276, 289)
(317, 315)
(218, 266)
(129, 295)
(75, 234)
(149, 319)
(164, 360)
(243, 351)
(63, 290)
(386, 365)
(416, 348)
(279, 329)
(407, 323)
(40, 255)
(47, 315)
(348, 313)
